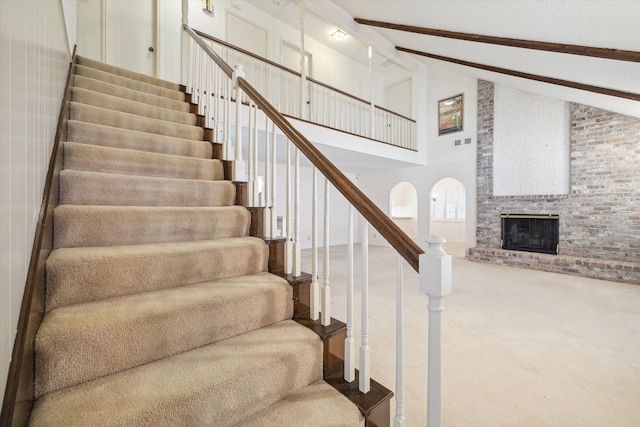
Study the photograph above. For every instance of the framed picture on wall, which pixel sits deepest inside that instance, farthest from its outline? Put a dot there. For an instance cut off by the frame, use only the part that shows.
(450, 115)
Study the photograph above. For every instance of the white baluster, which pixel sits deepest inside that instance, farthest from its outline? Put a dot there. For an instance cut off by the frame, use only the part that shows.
(314, 291)
(268, 231)
(398, 420)
(238, 168)
(326, 290)
(226, 146)
(216, 104)
(250, 147)
(274, 211)
(296, 216)
(350, 342)
(255, 155)
(435, 281)
(365, 368)
(288, 246)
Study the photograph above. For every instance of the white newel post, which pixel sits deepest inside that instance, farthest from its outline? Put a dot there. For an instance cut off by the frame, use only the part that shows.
(303, 70)
(238, 169)
(297, 262)
(315, 286)
(398, 420)
(350, 341)
(435, 281)
(184, 45)
(372, 107)
(365, 351)
(325, 317)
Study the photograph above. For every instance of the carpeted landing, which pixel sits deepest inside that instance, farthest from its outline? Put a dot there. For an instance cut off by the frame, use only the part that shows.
(160, 310)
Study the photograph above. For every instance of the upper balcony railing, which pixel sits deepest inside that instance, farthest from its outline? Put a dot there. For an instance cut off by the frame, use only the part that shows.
(326, 105)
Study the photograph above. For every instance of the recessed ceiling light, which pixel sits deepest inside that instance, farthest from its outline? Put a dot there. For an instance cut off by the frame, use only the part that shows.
(338, 35)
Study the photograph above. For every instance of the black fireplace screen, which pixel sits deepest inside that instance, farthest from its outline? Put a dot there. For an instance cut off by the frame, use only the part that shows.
(530, 233)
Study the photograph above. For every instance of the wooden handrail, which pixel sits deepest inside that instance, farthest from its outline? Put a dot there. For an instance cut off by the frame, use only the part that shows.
(398, 239)
(296, 73)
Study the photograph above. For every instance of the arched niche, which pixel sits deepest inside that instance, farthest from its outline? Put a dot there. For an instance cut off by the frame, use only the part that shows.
(447, 213)
(403, 204)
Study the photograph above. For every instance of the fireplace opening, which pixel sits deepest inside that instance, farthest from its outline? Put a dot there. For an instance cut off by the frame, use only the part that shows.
(530, 233)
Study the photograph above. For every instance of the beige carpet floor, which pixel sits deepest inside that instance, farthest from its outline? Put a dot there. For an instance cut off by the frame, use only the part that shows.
(520, 347)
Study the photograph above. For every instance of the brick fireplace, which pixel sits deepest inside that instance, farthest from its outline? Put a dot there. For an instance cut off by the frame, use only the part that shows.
(599, 218)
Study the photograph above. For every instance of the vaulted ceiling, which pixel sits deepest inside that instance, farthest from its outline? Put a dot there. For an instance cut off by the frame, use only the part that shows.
(602, 24)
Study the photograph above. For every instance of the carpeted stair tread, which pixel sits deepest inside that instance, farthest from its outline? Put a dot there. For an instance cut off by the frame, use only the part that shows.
(107, 117)
(89, 225)
(95, 158)
(217, 385)
(83, 342)
(97, 99)
(131, 94)
(112, 69)
(128, 83)
(78, 275)
(108, 136)
(97, 188)
(316, 405)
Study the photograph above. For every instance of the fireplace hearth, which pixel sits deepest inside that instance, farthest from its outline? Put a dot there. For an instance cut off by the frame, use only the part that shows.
(530, 233)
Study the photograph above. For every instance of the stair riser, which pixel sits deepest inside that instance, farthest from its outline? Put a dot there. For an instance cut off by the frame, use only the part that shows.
(166, 323)
(87, 157)
(81, 275)
(80, 226)
(102, 116)
(114, 103)
(129, 83)
(133, 140)
(127, 73)
(133, 95)
(87, 188)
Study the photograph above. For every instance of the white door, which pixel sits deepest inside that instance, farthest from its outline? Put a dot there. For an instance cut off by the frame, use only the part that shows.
(130, 40)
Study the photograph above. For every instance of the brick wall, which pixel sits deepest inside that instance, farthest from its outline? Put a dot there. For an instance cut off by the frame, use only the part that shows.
(599, 218)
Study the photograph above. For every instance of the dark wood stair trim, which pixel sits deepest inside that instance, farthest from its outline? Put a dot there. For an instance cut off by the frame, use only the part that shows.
(301, 290)
(256, 229)
(18, 394)
(375, 406)
(276, 255)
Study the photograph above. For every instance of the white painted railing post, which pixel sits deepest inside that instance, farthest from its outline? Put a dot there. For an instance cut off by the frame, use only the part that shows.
(435, 281)
(288, 245)
(238, 168)
(315, 287)
(398, 420)
(185, 46)
(325, 318)
(297, 262)
(365, 358)
(268, 231)
(274, 210)
(350, 342)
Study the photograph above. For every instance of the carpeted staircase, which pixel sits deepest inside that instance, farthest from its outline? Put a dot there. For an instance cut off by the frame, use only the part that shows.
(159, 307)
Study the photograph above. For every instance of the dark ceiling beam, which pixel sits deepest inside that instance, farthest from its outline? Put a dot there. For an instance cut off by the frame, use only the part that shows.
(560, 82)
(571, 49)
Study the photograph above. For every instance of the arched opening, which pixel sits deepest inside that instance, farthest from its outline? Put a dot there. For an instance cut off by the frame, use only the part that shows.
(403, 202)
(447, 216)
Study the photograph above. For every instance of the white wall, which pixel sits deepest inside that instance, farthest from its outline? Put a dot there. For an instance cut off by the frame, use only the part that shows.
(34, 60)
(329, 66)
(338, 207)
(444, 159)
(451, 230)
(531, 144)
